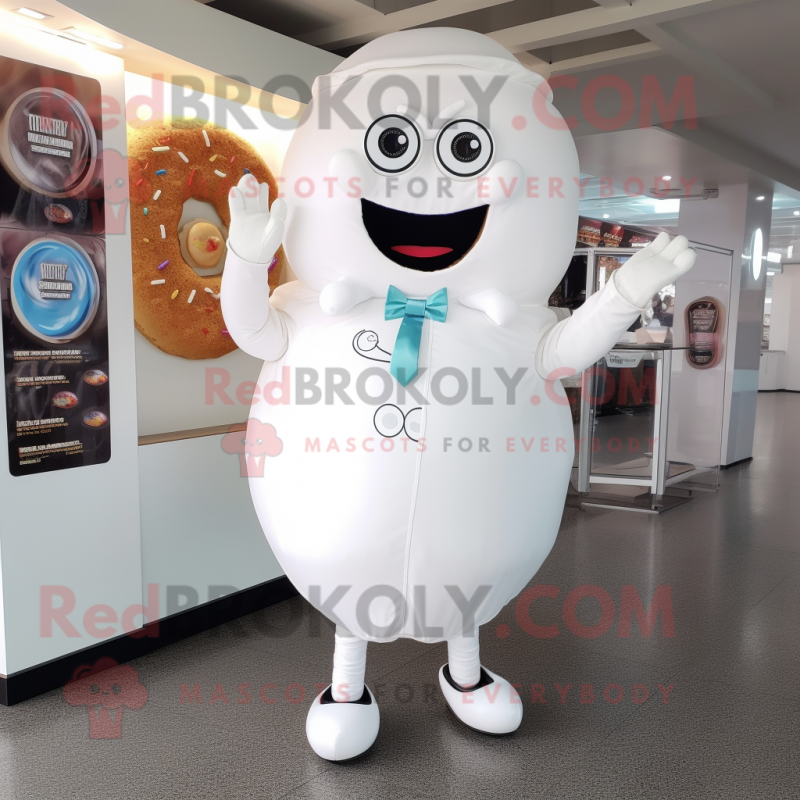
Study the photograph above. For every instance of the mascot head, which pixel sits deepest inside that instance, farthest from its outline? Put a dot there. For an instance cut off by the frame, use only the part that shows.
(432, 158)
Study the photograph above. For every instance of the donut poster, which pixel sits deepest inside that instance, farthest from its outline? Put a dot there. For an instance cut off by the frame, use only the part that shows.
(185, 152)
(179, 255)
(53, 270)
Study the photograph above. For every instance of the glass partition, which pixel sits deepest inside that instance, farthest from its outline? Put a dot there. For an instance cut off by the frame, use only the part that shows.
(650, 427)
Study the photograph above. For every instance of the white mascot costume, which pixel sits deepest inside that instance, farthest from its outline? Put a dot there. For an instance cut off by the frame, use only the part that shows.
(432, 198)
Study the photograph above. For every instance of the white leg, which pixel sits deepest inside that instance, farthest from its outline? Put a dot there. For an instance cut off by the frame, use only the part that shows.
(464, 659)
(482, 700)
(343, 721)
(349, 666)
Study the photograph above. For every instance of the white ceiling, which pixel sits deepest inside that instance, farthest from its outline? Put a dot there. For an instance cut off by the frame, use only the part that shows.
(652, 153)
(742, 57)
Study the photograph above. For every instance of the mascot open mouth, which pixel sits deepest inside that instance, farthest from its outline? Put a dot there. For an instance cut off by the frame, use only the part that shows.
(425, 242)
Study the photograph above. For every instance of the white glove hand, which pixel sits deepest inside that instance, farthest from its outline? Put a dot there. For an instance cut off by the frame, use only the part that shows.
(256, 232)
(653, 268)
(338, 298)
(501, 308)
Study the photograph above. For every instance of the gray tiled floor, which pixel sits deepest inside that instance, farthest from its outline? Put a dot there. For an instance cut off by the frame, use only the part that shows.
(730, 727)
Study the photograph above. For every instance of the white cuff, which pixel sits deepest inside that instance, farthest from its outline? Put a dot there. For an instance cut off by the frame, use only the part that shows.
(617, 293)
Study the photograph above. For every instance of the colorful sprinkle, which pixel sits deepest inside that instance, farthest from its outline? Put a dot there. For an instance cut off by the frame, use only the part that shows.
(161, 172)
(140, 182)
(233, 158)
(224, 332)
(145, 212)
(214, 157)
(215, 296)
(205, 331)
(162, 265)
(272, 263)
(164, 139)
(191, 177)
(191, 296)
(146, 165)
(205, 136)
(157, 195)
(161, 149)
(146, 240)
(246, 171)
(174, 294)
(221, 174)
(209, 310)
(156, 283)
(183, 156)
(163, 232)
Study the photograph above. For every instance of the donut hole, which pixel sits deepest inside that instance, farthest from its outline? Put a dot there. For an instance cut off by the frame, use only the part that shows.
(202, 236)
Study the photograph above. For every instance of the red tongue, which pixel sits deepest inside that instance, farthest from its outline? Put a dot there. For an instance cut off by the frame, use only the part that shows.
(421, 252)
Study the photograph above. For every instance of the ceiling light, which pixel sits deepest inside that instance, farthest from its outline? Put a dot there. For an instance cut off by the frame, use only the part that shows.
(32, 13)
(671, 206)
(757, 253)
(760, 198)
(666, 178)
(606, 216)
(94, 39)
(797, 213)
(63, 35)
(38, 28)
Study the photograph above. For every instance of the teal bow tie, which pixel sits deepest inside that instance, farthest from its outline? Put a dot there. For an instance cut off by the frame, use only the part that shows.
(405, 355)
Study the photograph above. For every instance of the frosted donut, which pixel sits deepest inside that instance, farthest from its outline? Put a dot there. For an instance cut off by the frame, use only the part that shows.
(175, 308)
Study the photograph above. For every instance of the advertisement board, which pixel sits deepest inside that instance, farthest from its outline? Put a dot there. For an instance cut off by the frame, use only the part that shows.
(53, 269)
(186, 149)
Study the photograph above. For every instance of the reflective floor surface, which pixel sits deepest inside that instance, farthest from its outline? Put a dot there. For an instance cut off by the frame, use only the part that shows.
(712, 711)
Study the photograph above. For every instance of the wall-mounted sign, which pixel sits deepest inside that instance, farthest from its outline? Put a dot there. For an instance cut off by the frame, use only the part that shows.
(53, 270)
(704, 326)
(594, 233)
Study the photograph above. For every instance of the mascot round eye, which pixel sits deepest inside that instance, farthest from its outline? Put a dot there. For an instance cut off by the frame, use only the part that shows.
(464, 148)
(392, 143)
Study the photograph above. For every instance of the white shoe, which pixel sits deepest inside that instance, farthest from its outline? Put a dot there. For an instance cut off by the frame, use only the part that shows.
(341, 731)
(491, 706)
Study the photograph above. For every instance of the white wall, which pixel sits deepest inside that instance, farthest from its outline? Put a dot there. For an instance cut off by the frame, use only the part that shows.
(729, 222)
(785, 321)
(199, 529)
(172, 391)
(198, 526)
(697, 399)
(783, 289)
(77, 528)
